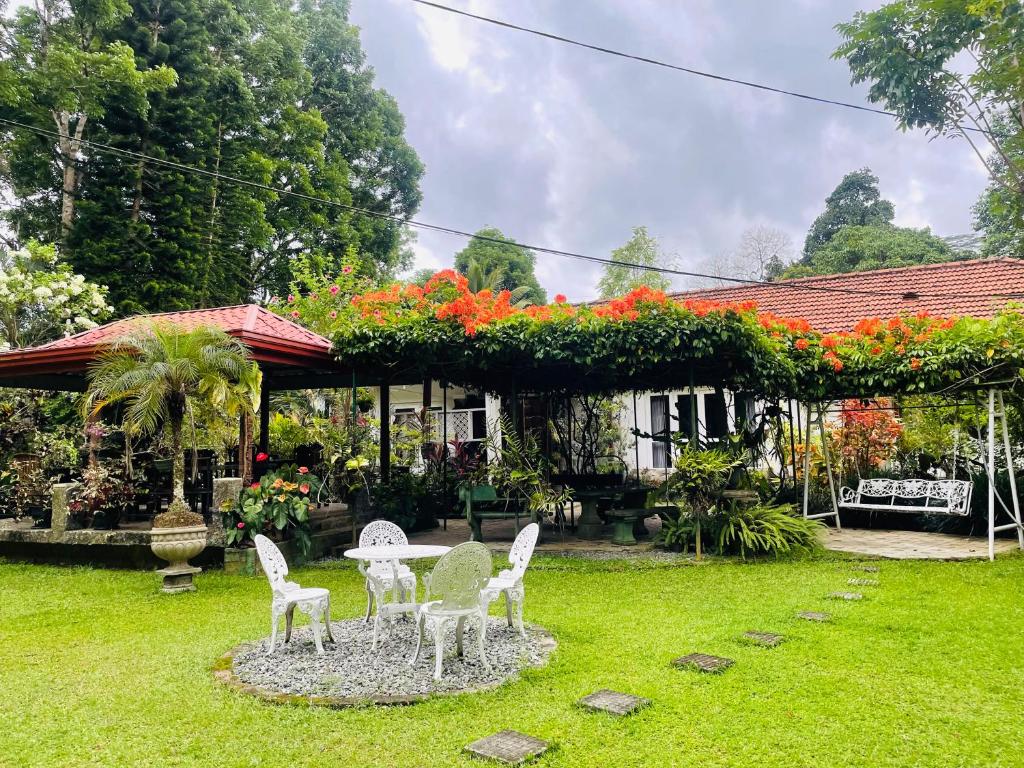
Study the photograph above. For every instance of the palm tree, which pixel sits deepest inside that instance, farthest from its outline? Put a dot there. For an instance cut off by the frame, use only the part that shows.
(479, 280)
(160, 374)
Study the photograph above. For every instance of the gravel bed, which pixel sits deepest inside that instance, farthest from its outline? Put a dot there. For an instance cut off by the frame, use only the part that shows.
(348, 669)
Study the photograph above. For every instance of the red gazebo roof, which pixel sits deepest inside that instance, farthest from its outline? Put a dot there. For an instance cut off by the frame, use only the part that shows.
(274, 342)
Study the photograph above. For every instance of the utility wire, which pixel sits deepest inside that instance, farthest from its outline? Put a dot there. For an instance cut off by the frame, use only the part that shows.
(787, 285)
(664, 64)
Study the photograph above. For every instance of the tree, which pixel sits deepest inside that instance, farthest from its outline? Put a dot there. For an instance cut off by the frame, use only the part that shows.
(999, 212)
(40, 298)
(855, 202)
(910, 51)
(65, 74)
(482, 280)
(274, 93)
(763, 253)
(160, 376)
(642, 248)
(859, 248)
(490, 250)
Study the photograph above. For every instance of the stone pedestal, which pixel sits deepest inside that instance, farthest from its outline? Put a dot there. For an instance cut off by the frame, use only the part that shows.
(59, 504)
(178, 578)
(225, 489)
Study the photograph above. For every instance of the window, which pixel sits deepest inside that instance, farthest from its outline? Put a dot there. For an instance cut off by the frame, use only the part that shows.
(660, 431)
(716, 416)
(685, 409)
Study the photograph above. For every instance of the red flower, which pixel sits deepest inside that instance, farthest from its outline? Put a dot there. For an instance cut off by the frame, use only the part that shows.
(303, 470)
(347, 269)
(261, 456)
(240, 525)
(915, 363)
(801, 343)
(560, 298)
(837, 365)
(255, 486)
(876, 350)
(304, 488)
(334, 290)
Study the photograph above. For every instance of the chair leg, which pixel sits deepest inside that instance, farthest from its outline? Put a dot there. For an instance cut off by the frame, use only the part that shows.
(481, 640)
(376, 629)
(420, 627)
(289, 614)
(327, 622)
(460, 628)
(519, 617)
(517, 595)
(315, 612)
(508, 607)
(275, 621)
(438, 647)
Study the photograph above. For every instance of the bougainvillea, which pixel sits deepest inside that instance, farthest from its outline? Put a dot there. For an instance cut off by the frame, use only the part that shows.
(646, 340)
(866, 435)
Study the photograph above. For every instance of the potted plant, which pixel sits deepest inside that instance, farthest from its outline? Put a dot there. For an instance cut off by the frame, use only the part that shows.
(102, 497)
(160, 376)
(278, 506)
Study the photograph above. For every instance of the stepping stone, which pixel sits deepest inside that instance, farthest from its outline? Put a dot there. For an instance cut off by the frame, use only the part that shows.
(767, 639)
(509, 747)
(814, 616)
(862, 582)
(613, 702)
(846, 596)
(703, 662)
(867, 568)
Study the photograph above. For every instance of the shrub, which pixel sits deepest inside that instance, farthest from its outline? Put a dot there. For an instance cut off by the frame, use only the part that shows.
(762, 529)
(277, 506)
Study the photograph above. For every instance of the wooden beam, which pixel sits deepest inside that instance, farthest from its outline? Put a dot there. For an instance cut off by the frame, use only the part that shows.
(385, 432)
(264, 419)
(53, 382)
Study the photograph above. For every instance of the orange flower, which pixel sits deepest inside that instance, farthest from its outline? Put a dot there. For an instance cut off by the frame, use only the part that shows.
(915, 363)
(560, 298)
(837, 365)
(801, 344)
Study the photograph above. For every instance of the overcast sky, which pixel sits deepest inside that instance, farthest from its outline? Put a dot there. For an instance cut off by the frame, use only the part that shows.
(568, 148)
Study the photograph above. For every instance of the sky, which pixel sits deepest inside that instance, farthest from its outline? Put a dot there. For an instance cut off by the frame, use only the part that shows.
(570, 149)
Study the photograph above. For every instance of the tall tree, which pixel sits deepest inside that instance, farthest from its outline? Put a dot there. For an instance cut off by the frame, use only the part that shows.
(490, 250)
(912, 54)
(999, 212)
(859, 248)
(642, 249)
(855, 202)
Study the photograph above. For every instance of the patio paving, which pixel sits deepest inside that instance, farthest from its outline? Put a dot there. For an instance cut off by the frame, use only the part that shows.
(910, 545)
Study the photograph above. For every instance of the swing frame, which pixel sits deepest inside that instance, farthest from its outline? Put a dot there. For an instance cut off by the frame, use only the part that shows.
(815, 415)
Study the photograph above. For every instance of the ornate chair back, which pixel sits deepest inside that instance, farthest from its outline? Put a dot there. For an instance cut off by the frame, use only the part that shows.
(382, 533)
(522, 550)
(274, 564)
(459, 576)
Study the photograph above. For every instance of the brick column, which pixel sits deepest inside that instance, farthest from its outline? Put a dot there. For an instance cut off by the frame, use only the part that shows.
(59, 505)
(225, 489)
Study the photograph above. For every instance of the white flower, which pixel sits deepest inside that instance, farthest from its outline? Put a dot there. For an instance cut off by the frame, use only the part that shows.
(42, 292)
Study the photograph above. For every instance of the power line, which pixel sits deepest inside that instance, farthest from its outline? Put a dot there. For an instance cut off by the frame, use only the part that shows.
(824, 289)
(664, 64)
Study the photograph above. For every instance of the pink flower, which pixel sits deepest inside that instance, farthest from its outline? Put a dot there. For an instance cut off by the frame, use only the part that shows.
(291, 297)
(334, 290)
(240, 525)
(313, 297)
(303, 470)
(333, 314)
(274, 299)
(347, 269)
(261, 456)
(304, 488)
(295, 313)
(255, 486)
(560, 298)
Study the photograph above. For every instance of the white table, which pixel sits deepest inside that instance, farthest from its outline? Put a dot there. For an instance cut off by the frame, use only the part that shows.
(393, 553)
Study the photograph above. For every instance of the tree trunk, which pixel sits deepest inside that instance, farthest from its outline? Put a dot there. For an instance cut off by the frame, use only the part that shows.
(178, 465)
(69, 145)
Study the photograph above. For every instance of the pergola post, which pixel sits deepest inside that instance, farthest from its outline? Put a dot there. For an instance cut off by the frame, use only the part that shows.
(264, 443)
(385, 432)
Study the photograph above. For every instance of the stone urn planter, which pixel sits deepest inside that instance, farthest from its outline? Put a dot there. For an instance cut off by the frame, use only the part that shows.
(177, 546)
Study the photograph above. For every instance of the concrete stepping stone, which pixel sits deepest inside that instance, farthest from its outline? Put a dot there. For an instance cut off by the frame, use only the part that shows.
(703, 662)
(818, 616)
(862, 582)
(613, 702)
(867, 568)
(767, 639)
(508, 747)
(846, 596)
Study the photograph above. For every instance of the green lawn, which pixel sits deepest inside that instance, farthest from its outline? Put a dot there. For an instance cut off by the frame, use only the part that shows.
(99, 669)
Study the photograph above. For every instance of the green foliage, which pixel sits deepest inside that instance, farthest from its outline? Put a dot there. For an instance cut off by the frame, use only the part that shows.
(676, 531)
(999, 212)
(855, 248)
(856, 201)
(159, 374)
(699, 476)
(519, 470)
(277, 506)
(642, 249)
(769, 530)
(511, 262)
(41, 298)
(105, 493)
(272, 93)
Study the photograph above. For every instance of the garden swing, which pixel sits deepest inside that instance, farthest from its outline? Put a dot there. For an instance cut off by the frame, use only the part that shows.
(925, 496)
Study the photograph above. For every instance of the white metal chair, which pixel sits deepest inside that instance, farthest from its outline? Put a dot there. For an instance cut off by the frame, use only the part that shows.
(457, 580)
(381, 533)
(313, 601)
(509, 582)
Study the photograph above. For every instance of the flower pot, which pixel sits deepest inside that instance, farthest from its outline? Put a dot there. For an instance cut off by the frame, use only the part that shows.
(177, 546)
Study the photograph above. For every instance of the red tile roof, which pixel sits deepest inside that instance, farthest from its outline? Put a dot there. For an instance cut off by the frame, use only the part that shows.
(978, 287)
(271, 339)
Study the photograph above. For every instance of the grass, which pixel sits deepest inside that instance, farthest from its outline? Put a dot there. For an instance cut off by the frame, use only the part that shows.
(99, 669)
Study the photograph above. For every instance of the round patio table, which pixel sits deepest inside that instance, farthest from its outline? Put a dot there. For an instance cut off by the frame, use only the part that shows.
(394, 553)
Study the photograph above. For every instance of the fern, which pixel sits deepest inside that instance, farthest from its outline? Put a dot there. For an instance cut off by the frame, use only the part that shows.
(770, 530)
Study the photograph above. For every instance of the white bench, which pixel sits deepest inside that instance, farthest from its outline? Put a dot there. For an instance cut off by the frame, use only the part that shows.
(932, 497)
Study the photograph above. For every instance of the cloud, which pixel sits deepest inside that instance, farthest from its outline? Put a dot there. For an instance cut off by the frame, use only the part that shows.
(569, 148)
